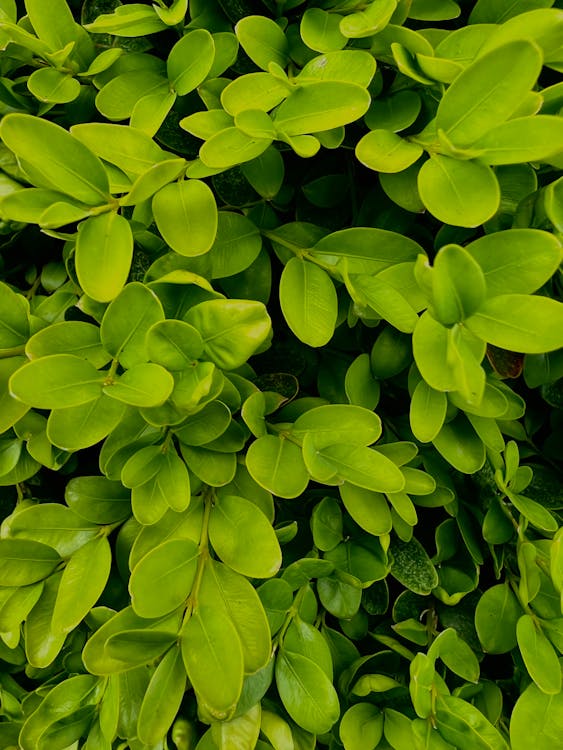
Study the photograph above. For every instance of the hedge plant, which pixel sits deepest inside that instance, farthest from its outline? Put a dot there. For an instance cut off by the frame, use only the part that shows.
(281, 374)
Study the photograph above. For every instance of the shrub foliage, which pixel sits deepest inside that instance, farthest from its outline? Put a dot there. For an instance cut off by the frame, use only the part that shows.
(281, 375)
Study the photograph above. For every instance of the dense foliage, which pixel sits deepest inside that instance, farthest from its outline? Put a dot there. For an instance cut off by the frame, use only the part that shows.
(281, 374)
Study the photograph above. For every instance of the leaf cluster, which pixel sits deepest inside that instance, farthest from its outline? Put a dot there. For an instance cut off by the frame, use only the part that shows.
(281, 375)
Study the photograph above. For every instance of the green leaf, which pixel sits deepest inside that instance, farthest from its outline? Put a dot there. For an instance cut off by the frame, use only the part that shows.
(104, 250)
(458, 285)
(186, 215)
(363, 467)
(163, 578)
(173, 344)
(537, 720)
(321, 106)
(133, 637)
(42, 645)
(338, 423)
(151, 181)
(128, 21)
(127, 148)
(162, 699)
(304, 639)
(520, 323)
(320, 30)
(499, 11)
(231, 593)
(384, 299)
(43, 207)
(263, 41)
(384, 151)
(145, 384)
(232, 146)
(54, 525)
(57, 29)
(53, 86)
(23, 561)
(539, 655)
(56, 381)
(456, 654)
(516, 261)
(540, 25)
(190, 61)
(205, 426)
(367, 22)
(369, 510)
(174, 14)
(346, 66)
(236, 246)
(175, 477)
(255, 123)
(213, 658)
(118, 98)
(62, 163)
(98, 500)
(460, 445)
(462, 193)
(8, 11)
(17, 604)
(437, 350)
(535, 512)
(340, 598)
(395, 112)
(142, 465)
(459, 721)
(366, 565)
(83, 580)
(240, 732)
(244, 539)
(374, 683)
(14, 319)
(308, 301)
(326, 524)
(362, 389)
(434, 10)
(232, 330)
(253, 91)
(489, 91)
(277, 464)
(412, 567)
(126, 322)
(496, 616)
(133, 648)
(226, 51)
(149, 501)
(266, 173)
(306, 692)
(215, 468)
(522, 139)
(427, 412)
(11, 410)
(397, 730)
(69, 337)
(63, 700)
(367, 250)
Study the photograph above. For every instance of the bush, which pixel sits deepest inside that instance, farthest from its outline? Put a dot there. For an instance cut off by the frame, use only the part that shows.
(281, 375)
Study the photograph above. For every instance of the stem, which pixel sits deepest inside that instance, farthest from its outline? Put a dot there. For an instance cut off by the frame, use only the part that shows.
(15, 351)
(34, 287)
(112, 371)
(291, 614)
(506, 510)
(204, 556)
(524, 606)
